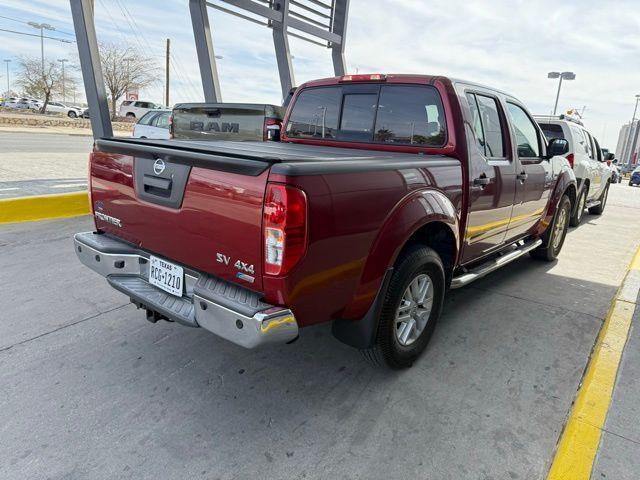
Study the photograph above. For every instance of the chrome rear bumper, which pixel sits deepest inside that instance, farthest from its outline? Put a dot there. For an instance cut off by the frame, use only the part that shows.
(225, 309)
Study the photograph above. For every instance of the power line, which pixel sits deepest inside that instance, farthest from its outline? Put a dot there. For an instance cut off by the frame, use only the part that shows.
(61, 40)
(27, 23)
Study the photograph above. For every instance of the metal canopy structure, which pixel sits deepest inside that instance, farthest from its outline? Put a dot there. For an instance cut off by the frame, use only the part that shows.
(321, 22)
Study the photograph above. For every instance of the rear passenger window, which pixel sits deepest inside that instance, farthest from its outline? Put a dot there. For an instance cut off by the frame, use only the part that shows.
(162, 121)
(475, 120)
(491, 126)
(410, 115)
(315, 113)
(525, 131)
(486, 125)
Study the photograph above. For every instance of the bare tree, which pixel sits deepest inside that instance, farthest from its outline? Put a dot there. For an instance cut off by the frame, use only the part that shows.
(125, 69)
(38, 83)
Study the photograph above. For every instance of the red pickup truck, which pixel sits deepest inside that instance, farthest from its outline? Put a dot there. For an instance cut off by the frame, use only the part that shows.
(385, 192)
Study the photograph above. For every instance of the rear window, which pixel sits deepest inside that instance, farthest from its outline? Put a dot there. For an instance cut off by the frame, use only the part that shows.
(551, 130)
(396, 114)
(126, 103)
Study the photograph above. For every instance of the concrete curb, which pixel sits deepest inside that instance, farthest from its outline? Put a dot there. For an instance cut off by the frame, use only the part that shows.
(580, 439)
(44, 207)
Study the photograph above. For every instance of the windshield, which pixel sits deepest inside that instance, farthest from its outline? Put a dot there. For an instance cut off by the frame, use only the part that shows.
(372, 113)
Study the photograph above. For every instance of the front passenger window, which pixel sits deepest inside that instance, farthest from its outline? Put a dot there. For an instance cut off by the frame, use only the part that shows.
(525, 131)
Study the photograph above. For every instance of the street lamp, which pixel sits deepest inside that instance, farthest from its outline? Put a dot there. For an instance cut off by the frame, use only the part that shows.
(64, 96)
(561, 76)
(7, 61)
(42, 27)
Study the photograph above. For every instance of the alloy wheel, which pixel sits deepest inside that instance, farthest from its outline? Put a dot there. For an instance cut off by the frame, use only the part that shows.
(414, 311)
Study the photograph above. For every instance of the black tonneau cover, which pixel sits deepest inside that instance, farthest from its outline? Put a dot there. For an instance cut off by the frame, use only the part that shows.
(252, 158)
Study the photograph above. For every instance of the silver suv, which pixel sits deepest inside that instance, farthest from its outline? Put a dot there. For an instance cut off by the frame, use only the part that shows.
(586, 159)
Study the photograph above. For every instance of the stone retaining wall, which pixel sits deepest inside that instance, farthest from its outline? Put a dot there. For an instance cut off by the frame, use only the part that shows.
(35, 120)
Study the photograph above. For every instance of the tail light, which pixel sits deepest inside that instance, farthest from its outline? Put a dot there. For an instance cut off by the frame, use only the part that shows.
(608, 163)
(284, 228)
(570, 157)
(171, 126)
(272, 128)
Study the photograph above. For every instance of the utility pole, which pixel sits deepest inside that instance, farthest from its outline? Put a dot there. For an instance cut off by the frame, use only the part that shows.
(167, 60)
(7, 61)
(64, 96)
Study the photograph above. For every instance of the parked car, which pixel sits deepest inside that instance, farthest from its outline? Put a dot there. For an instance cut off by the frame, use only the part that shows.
(154, 124)
(136, 109)
(70, 111)
(634, 179)
(586, 159)
(384, 193)
(11, 102)
(227, 121)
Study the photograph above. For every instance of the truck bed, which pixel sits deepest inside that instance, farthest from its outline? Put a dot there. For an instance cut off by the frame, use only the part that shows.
(252, 158)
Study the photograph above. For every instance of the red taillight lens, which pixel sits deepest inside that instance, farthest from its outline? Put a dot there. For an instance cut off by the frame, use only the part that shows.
(570, 158)
(272, 127)
(284, 228)
(171, 126)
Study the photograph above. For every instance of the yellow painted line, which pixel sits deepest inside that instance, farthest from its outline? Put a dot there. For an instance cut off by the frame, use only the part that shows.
(635, 263)
(42, 207)
(581, 436)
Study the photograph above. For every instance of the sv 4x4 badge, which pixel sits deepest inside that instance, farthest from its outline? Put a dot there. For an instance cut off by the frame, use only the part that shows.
(245, 271)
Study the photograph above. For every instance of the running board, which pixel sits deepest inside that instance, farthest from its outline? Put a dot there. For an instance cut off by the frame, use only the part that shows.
(592, 203)
(494, 264)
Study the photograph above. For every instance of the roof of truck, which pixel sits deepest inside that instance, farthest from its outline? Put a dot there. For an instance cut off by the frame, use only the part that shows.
(400, 78)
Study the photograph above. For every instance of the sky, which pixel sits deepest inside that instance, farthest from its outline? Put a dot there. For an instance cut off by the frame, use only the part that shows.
(507, 44)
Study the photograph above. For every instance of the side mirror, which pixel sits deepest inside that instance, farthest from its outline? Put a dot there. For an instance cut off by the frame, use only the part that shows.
(557, 146)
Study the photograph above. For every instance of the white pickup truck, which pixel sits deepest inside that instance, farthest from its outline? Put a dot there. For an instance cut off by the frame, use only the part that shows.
(586, 159)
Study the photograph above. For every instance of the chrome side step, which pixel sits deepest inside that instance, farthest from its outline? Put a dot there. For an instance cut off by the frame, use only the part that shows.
(494, 264)
(592, 203)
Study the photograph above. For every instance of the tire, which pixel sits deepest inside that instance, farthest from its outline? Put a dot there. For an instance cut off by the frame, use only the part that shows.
(131, 115)
(599, 209)
(556, 233)
(72, 114)
(394, 346)
(578, 212)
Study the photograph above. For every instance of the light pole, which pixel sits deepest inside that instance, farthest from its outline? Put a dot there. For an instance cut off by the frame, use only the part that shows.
(42, 27)
(630, 144)
(7, 61)
(64, 96)
(561, 76)
(635, 109)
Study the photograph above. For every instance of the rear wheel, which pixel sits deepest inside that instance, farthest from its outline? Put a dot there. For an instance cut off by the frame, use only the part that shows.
(553, 238)
(412, 306)
(598, 209)
(579, 210)
(72, 114)
(131, 115)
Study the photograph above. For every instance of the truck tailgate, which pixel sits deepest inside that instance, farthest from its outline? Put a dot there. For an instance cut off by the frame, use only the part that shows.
(184, 204)
(223, 121)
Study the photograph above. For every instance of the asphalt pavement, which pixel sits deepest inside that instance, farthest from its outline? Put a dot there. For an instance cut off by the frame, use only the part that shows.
(90, 389)
(38, 163)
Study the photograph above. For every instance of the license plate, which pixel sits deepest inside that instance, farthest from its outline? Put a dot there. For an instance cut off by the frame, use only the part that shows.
(166, 275)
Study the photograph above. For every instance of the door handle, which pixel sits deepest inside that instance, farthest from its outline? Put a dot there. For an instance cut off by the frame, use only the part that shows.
(481, 181)
(522, 176)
